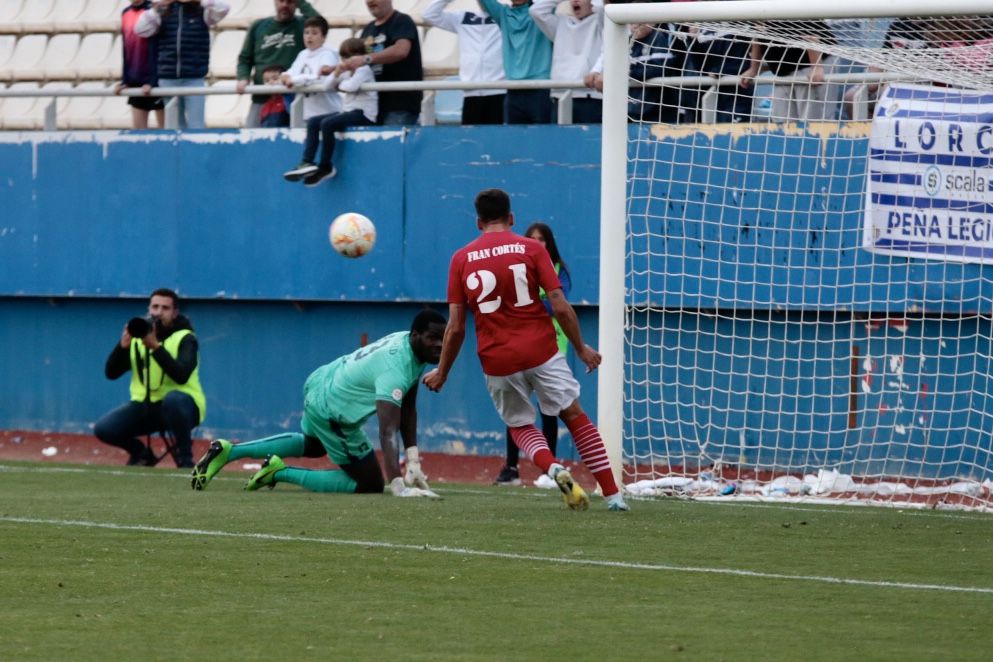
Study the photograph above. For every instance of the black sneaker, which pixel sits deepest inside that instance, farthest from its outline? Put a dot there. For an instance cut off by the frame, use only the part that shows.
(319, 175)
(509, 476)
(143, 458)
(299, 172)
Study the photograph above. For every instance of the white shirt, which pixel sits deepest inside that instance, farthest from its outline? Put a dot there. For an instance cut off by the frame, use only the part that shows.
(355, 99)
(480, 45)
(576, 43)
(306, 70)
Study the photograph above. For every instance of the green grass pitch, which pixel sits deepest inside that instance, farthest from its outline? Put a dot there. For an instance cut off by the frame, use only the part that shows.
(98, 563)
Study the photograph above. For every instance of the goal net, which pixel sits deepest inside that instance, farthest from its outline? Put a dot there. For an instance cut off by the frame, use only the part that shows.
(799, 212)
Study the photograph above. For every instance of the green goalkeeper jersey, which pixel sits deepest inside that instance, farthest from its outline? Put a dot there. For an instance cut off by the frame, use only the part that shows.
(346, 390)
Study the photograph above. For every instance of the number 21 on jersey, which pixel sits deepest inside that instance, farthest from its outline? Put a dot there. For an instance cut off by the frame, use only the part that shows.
(485, 282)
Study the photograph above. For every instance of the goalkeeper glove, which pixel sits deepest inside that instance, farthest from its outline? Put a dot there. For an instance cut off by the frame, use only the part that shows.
(414, 476)
(397, 488)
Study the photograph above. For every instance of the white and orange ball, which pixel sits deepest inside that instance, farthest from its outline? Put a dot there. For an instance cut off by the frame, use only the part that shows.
(352, 234)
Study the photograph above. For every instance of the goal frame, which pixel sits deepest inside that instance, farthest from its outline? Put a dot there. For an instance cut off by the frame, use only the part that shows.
(614, 144)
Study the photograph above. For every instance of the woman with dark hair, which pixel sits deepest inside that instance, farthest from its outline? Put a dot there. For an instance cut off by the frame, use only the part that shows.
(510, 475)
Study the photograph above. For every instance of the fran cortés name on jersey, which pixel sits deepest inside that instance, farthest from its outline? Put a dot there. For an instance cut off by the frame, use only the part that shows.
(502, 249)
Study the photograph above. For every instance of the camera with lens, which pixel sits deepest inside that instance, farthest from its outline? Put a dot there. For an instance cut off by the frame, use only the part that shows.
(138, 327)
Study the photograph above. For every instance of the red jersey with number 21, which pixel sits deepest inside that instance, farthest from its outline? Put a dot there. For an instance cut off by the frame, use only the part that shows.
(497, 276)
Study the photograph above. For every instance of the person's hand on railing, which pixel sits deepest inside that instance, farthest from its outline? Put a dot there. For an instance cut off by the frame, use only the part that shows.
(118, 87)
(747, 77)
(594, 81)
(240, 86)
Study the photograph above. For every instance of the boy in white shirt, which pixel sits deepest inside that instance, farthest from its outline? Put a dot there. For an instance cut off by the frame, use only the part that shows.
(312, 65)
(358, 108)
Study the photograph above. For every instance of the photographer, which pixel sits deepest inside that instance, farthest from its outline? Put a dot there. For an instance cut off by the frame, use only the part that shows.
(165, 396)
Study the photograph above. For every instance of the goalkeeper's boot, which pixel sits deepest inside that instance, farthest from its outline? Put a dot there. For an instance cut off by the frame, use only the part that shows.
(266, 476)
(573, 495)
(213, 461)
(616, 503)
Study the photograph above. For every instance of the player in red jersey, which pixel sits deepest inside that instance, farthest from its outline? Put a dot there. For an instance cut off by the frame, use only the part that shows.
(497, 276)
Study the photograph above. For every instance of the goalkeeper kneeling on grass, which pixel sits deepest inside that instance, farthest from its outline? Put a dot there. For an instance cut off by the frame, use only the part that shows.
(380, 378)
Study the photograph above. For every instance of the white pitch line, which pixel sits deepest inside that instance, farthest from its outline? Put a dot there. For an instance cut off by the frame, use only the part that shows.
(461, 551)
(230, 477)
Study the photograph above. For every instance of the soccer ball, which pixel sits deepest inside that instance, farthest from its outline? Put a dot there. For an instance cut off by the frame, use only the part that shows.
(352, 234)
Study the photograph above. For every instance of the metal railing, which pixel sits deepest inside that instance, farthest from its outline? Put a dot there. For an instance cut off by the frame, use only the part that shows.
(708, 101)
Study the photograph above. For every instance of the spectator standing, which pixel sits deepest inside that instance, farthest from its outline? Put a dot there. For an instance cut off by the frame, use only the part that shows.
(527, 55)
(718, 54)
(273, 40)
(810, 100)
(275, 111)
(497, 276)
(183, 35)
(139, 68)
(163, 357)
(480, 59)
(577, 42)
(393, 50)
(338, 398)
(510, 475)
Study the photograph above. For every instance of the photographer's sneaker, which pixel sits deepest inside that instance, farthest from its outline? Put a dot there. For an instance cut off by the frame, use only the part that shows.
(319, 175)
(266, 476)
(298, 173)
(213, 461)
(573, 495)
(508, 476)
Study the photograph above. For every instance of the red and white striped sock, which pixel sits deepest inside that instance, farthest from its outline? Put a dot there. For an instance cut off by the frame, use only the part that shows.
(533, 444)
(591, 449)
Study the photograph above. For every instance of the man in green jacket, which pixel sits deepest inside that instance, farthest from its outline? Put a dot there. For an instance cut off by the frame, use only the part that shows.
(273, 40)
(162, 355)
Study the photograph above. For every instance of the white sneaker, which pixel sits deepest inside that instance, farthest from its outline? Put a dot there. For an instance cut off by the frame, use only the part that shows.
(616, 503)
(545, 481)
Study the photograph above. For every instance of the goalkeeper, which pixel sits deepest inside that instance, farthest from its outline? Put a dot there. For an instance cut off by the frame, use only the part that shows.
(339, 397)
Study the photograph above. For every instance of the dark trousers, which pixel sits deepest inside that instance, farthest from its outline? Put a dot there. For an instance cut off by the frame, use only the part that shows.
(528, 107)
(587, 111)
(177, 412)
(483, 110)
(549, 428)
(321, 128)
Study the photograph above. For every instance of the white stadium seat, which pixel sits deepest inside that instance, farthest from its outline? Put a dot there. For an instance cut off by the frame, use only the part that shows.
(67, 12)
(84, 112)
(226, 111)
(7, 43)
(36, 16)
(97, 56)
(237, 8)
(336, 36)
(115, 113)
(9, 9)
(23, 62)
(259, 9)
(58, 60)
(440, 49)
(16, 112)
(102, 15)
(224, 53)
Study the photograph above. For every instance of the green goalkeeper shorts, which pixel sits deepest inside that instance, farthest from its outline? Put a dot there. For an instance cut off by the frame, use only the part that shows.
(345, 444)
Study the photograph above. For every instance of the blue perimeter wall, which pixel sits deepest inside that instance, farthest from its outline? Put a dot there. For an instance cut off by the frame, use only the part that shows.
(90, 223)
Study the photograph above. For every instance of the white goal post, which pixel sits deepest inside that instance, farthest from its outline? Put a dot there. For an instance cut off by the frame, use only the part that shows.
(678, 204)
